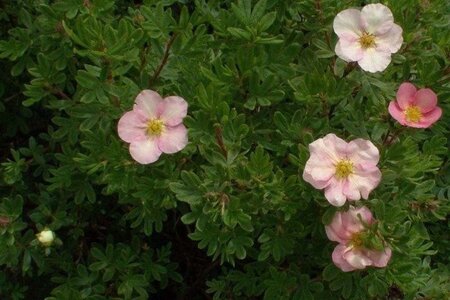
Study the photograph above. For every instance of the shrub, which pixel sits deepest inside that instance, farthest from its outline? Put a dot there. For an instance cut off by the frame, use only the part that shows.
(229, 216)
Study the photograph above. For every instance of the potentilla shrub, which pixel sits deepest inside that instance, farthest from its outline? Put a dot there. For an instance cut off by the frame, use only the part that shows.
(224, 149)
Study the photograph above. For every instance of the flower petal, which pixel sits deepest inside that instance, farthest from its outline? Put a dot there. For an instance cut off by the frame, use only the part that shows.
(334, 192)
(319, 166)
(338, 258)
(356, 213)
(322, 174)
(131, 127)
(375, 60)
(349, 51)
(146, 151)
(361, 150)
(327, 148)
(426, 99)
(315, 183)
(148, 102)
(345, 223)
(347, 23)
(364, 180)
(377, 18)
(351, 219)
(350, 191)
(430, 118)
(405, 95)
(380, 259)
(334, 236)
(173, 139)
(396, 112)
(335, 145)
(173, 110)
(364, 212)
(391, 40)
(357, 259)
(336, 230)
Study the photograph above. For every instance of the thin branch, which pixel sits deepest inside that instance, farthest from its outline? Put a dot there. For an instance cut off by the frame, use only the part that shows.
(392, 135)
(61, 94)
(58, 92)
(349, 68)
(11, 97)
(321, 18)
(143, 57)
(385, 140)
(325, 108)
(163, 60)
(219, 139)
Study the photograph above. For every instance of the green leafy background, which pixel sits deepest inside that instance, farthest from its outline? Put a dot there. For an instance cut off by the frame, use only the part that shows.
(229, 217)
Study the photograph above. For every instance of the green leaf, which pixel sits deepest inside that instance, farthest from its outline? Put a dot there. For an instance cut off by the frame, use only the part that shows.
(258, 10)
(266, 21)
(240, 33)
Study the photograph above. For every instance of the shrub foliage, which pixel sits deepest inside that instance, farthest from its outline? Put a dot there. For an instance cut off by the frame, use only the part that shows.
(229, 217)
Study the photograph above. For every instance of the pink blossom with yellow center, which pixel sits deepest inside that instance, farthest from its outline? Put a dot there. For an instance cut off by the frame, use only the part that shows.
(154, 126)
(367, 36)
(347, 229)
(346, 171)
(415, 108)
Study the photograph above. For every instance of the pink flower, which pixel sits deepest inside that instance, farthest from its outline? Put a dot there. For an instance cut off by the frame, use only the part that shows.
(348, 228)
(415, 108)
(368, 37)
(344, 170)
(154, 126)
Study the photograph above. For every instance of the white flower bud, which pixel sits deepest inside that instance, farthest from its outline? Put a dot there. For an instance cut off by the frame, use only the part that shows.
(46, 237)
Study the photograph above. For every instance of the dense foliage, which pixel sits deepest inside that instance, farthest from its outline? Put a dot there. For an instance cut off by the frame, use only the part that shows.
(230, 216)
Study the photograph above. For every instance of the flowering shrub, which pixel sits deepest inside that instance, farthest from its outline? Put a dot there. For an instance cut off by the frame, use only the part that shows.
(300, 151)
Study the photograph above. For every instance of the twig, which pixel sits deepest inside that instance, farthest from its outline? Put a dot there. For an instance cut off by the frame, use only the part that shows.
(143, 58)
(12, 97)
(61, 94)
(325, 108)
(349, 68)
(219, 139)
(163, 60)
(386, 137)
(319, 10)
(391, 136)
(58, 92)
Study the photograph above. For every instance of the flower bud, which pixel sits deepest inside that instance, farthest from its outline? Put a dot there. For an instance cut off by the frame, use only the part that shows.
(46, 237)
(4, 221)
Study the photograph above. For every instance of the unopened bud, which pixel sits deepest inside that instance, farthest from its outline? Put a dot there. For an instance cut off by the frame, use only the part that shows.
(4, 221)
(46, 237)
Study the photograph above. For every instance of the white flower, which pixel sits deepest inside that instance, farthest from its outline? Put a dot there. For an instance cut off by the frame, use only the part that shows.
(46, 237)
(368, 37)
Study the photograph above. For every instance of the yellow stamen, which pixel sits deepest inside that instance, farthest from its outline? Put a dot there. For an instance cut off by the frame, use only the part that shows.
(356, 240)
(413, 114)
(155, 127)
(344, 168)
(367, 40)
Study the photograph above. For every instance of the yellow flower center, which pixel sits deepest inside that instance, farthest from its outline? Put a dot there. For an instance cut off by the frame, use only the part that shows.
(356, 240)
(155, 127)
(367, 40)
(344, 168)
(413, 114)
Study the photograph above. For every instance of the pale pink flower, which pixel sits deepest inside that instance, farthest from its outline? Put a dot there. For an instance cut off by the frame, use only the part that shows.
(154, 126)
(347, 171)
(347, 228)
(368, 37)
(415, 108)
